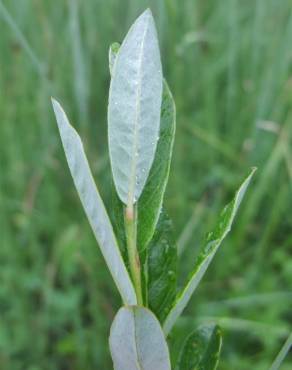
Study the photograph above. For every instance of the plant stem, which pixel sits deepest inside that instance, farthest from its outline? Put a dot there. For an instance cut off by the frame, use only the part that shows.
(130, 218)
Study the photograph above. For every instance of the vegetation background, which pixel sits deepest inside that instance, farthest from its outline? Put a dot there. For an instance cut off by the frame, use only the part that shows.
(229, 65)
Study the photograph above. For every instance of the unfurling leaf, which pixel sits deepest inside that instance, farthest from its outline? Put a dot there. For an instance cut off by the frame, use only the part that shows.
(201, 350)
(112, 55)
(137, 341)
(93, 205)
(134, 108)
(207, 253)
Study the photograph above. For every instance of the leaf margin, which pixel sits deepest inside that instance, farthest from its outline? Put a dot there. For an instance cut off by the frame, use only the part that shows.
(135, 340)
(123, 281)
(129, 190)
(206, 255)
(214, 334)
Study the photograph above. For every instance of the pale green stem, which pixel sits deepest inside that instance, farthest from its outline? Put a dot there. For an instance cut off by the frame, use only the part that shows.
(130, 218)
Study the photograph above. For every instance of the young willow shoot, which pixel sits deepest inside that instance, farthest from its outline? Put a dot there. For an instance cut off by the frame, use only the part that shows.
(138, 247)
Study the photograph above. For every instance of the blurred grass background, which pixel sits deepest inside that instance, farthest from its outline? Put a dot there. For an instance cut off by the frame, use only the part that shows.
(229, 65)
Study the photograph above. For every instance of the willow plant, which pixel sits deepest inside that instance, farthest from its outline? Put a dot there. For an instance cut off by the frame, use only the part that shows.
(138, 245)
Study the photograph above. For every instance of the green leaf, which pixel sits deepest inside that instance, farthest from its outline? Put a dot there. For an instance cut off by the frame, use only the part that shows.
(93, 205)
(134, 108)
(137, 341)
(201, 350)
(212, 243)
(150, 203)
(117, 213)
(117, 205)
(162, 268)
(149, 208)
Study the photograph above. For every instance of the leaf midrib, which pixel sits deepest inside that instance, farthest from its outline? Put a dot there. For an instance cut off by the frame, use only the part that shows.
(136, 343)
(133, 179)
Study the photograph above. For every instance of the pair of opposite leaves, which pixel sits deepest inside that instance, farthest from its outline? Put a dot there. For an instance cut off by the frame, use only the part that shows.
(134, 124)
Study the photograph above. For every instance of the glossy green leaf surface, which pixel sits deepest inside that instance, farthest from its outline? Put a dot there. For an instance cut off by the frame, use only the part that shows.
(93, 205)
(150, 202)
(201, 350)
(210, 247)
(162, 268)
(134, 108)
(137, 341)
(118, 222)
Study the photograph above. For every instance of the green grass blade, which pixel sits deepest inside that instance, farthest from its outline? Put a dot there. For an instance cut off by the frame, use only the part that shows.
(93, 205)
(79, 62)
(40, 67)
(282, 354)
(213, 241)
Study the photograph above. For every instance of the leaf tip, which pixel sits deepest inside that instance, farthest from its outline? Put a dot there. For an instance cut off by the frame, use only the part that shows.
(251, 173)
(147, 15)
(147, 12)
(56, 105)
(60, 114)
